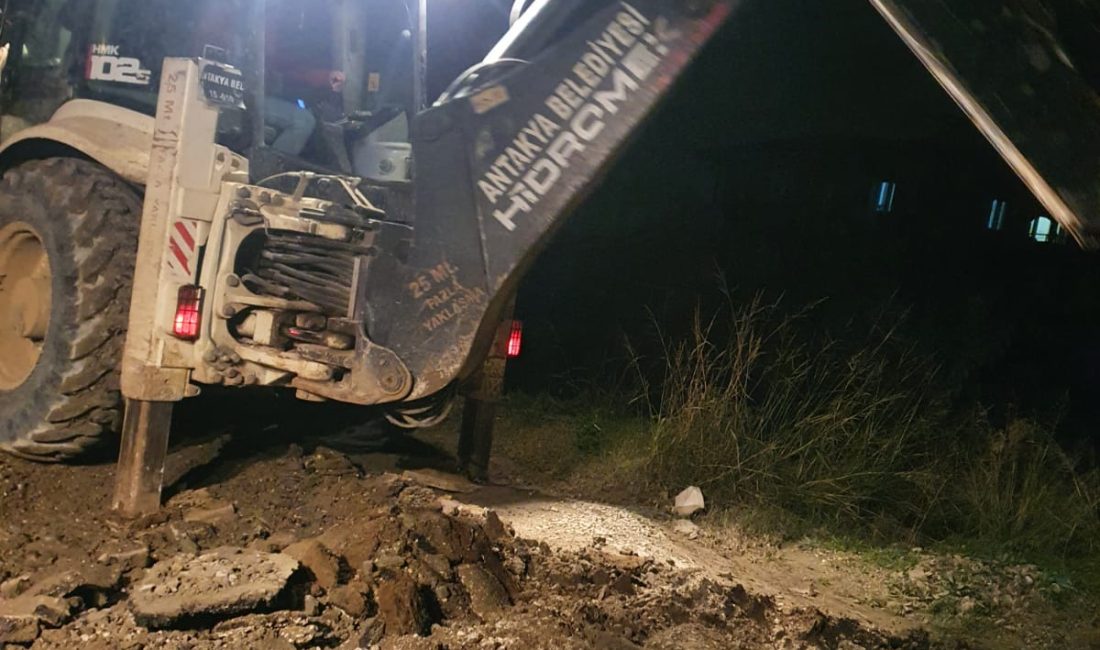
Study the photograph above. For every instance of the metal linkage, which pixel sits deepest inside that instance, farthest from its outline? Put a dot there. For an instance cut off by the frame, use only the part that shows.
(315, 269)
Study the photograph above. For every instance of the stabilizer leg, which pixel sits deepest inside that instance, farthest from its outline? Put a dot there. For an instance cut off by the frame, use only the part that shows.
(483, 392)
(475, 442)
(139, 477)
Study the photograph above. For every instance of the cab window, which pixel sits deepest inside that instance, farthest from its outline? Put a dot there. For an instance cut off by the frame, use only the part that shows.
(110, 50)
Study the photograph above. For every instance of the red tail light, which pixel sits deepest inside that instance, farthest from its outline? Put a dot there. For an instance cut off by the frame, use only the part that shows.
(515, 339)
(188, 321)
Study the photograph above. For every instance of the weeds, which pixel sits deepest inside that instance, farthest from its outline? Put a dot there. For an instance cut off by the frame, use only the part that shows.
(1021, 489)
(754, 413)
(860, 435)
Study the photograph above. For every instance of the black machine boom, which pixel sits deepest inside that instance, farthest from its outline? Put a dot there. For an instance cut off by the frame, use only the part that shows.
(500, 163)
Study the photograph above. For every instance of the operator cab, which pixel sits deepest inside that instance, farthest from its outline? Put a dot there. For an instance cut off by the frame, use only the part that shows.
(350, 65)
(339, 75)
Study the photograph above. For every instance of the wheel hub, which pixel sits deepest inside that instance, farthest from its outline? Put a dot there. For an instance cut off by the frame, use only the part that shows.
(24, 302)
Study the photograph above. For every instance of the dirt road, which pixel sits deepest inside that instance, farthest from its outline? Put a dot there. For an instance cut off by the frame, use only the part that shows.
(270, 543)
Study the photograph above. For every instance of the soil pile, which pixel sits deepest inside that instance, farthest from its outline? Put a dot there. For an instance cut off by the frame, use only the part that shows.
(310, 551)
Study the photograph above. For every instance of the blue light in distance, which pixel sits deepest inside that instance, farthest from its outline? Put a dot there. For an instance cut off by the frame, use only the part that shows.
(884, 197)
(1042, 229)
(997, 215)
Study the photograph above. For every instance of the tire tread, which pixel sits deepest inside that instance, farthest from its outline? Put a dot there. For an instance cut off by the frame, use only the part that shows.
(104, 213)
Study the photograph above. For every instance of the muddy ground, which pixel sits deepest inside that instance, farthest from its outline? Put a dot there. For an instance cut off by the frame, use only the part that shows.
(272, 538)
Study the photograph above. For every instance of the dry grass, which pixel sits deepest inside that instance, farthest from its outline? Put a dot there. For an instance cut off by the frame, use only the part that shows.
(751, 413)
(858, 436)
(1022, 490)
(753, 410)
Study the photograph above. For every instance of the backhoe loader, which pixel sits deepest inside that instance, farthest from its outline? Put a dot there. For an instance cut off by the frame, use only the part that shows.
(266, 193)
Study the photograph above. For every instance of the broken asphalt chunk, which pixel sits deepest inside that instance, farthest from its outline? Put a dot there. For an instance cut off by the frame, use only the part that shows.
(219, 584)
(126, 556)
(20, 629)
(327, 568)
(22, 619)
(488, 598)
(14, 586)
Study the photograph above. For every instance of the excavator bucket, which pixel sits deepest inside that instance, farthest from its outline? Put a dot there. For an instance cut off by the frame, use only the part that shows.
(1026, 73)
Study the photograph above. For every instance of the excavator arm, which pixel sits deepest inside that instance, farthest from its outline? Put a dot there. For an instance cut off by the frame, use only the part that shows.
(506, 156)
(1023, 72)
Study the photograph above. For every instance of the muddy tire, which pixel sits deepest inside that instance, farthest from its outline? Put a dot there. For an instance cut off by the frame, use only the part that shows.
(60, 396)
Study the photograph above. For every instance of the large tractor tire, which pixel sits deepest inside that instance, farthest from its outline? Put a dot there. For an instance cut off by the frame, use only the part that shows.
(68, 238)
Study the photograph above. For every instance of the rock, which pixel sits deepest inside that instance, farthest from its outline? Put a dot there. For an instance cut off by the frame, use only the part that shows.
(221, 583)
(373, 631)
(439, 564)
(187, 546)
(488, 598)
(442, 593)
(415, 498)
(21, 619)
(349, 598)
(282, 540)
(183, 461)
(624, 585)
(300, 636)
(967, 605)
(689, 502)
(186, 499)
(389, 562)
(401, 609)
(51, 611)
(440, 481)
(325, 566)
(516, 566)
(215, 513)
(274, 543)
(311, 606)
(326, 462)
(453, 508)
(127, 557)
(687, 528)
(495, 529)
(94, 584)
(18, 628)
(14, 586)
